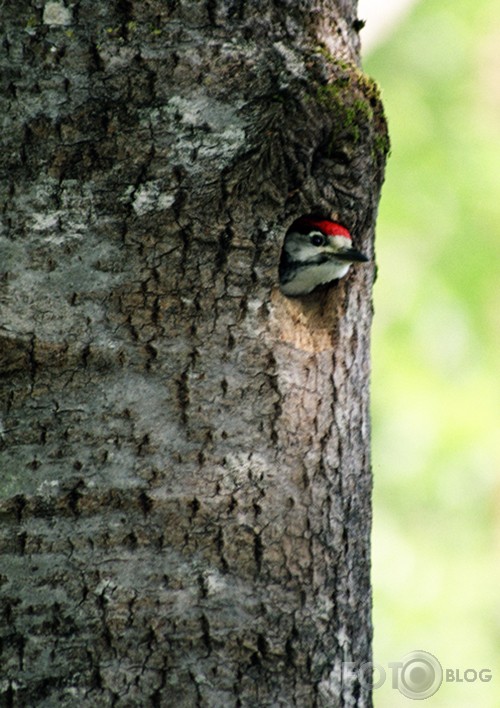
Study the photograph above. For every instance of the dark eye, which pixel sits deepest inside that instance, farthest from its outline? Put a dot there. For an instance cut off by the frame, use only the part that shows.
(317, 240)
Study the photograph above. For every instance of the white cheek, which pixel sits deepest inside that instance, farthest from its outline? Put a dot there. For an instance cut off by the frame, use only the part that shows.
(340, 242)
(302, 251)
(309, 278)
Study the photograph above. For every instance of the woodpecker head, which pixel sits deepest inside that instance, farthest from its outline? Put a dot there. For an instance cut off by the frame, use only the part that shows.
(316, 251)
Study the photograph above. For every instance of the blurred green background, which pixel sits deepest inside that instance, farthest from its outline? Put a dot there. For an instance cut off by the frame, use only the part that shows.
(435, 384)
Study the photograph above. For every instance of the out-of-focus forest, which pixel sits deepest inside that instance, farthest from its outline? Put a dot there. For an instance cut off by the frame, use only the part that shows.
(436, 384)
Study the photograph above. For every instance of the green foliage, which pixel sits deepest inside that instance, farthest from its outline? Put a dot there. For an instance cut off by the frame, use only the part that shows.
(435, 380)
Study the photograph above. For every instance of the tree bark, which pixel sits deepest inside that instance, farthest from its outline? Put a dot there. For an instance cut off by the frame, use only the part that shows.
(185, 467)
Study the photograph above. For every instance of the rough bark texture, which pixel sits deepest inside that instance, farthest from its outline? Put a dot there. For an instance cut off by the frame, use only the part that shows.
(185, 468)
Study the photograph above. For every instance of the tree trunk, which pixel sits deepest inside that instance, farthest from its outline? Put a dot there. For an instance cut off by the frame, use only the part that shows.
(185, 452)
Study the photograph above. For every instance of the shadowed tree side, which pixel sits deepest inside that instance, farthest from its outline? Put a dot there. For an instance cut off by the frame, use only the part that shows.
(185, 468)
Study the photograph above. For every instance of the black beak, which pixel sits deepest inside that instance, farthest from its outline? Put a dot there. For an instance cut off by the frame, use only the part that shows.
(351, 255)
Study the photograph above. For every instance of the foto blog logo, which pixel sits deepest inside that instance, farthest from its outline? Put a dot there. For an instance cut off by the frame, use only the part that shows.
(418, 675)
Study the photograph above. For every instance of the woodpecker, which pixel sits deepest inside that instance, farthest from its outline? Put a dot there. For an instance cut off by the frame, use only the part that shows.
(315, 251)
